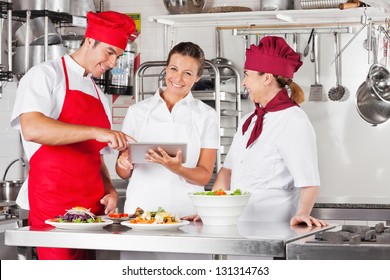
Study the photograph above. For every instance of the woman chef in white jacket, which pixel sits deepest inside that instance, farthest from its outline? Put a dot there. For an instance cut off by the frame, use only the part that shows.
(273, 154)
(171, 115)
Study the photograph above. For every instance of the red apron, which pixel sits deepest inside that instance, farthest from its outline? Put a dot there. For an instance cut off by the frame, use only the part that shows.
(62, 177)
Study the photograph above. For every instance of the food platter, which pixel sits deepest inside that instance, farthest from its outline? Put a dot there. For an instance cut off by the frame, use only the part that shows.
(79, 226)
(171, 226)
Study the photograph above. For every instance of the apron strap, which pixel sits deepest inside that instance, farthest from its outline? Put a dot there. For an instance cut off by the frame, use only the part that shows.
(66, 73)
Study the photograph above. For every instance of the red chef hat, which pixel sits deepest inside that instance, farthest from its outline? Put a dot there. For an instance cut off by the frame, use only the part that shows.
(110, 27)
(273, 55)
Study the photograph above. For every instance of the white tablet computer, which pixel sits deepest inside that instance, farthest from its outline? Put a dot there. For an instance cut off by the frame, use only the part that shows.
(139, 149)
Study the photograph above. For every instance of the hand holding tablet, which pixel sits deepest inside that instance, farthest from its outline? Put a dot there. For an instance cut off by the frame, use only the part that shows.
(138, 150)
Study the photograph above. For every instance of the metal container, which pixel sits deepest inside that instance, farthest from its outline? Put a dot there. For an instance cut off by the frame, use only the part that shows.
(371, 97)
(36, 56)
(9, 190)
(184, 6)
(72, 42)
(62, 6)
(36, 35)
(82, 7)
(274, 5)
(321, 4)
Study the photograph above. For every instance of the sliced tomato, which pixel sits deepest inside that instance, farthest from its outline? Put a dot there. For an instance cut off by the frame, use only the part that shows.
(220, 192)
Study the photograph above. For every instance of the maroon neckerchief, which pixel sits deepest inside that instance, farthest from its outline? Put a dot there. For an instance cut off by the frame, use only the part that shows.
(280, 102)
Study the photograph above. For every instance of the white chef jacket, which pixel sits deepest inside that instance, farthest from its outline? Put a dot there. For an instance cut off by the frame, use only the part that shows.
(42, 89)
(276, 165)
(202, 121)
(190, 121)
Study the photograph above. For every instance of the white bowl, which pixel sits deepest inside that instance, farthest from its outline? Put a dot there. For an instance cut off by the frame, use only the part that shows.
(219, 210)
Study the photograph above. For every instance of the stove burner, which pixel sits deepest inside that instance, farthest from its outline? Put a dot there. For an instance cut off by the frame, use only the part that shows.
(9, 212)
(354, 234)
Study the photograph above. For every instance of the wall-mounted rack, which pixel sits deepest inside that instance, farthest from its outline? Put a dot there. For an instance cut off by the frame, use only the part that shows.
(331, 18)
(5, 12)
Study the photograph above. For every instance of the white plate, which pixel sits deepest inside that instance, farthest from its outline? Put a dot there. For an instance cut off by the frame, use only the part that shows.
(155, 226)
(80, 226)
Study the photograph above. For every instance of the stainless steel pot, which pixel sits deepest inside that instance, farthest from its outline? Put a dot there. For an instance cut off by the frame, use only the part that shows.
(72, 42)
(36, 56)
(184, 6)
(81, 8)
(62, 6)
(36, 33)
(370, 104)
(9, 189)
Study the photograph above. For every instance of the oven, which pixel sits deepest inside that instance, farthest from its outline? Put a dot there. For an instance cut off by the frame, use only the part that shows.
(344, 242)
(9, 219)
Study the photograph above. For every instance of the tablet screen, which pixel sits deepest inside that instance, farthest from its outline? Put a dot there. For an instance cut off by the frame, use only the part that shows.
(139, 149)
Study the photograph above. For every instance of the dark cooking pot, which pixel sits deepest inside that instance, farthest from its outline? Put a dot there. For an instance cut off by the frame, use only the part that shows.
(9, 190)
(371, 97)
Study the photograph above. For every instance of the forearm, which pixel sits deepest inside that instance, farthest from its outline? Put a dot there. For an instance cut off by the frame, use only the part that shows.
(201, 174)
(41, 129)
(197, 176)
(307, 199)
(223, 179)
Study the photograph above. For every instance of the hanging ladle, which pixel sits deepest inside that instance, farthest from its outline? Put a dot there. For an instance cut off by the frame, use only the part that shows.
(338, 92)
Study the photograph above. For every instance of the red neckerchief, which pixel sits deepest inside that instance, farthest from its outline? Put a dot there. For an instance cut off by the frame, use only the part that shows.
(280, 102)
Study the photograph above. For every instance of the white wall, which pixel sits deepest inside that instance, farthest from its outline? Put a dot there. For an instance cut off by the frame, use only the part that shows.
(352, 154)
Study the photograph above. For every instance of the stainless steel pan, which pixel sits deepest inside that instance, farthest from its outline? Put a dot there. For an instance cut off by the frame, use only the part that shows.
(371, 105)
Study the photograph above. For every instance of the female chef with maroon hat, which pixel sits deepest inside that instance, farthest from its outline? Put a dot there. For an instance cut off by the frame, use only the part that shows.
(273, 155)
(64, 119)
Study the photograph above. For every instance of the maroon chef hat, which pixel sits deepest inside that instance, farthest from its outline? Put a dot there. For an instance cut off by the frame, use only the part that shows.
(110, 27)
(273, 55)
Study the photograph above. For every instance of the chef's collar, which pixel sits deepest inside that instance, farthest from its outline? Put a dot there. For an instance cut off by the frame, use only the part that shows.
(75, 66)
(189, 99)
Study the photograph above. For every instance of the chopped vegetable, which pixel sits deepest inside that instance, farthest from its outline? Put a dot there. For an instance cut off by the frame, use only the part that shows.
(78, 214)
(155, 217)
(220, 192)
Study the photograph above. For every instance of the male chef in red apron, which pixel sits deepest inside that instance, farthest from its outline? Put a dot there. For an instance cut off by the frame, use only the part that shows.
(64, 119)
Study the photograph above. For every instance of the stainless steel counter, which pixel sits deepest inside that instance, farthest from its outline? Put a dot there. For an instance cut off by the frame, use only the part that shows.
(247, 238)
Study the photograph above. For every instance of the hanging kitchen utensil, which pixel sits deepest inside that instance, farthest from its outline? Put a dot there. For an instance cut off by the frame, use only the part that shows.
(307, 48)
(373, 96)
(316, 90)
(225, 72)
(338, 92)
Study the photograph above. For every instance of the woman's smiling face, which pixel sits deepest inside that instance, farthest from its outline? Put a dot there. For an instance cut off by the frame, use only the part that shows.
(181, 74)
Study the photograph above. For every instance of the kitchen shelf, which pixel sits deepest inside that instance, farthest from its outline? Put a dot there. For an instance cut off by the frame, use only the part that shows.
(55, 17)
(274, 19)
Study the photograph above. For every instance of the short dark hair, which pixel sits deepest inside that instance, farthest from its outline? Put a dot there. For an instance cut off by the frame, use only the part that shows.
(192, 50)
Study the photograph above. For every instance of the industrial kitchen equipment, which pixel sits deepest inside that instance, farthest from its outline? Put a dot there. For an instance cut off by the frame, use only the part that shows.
(346, 242)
